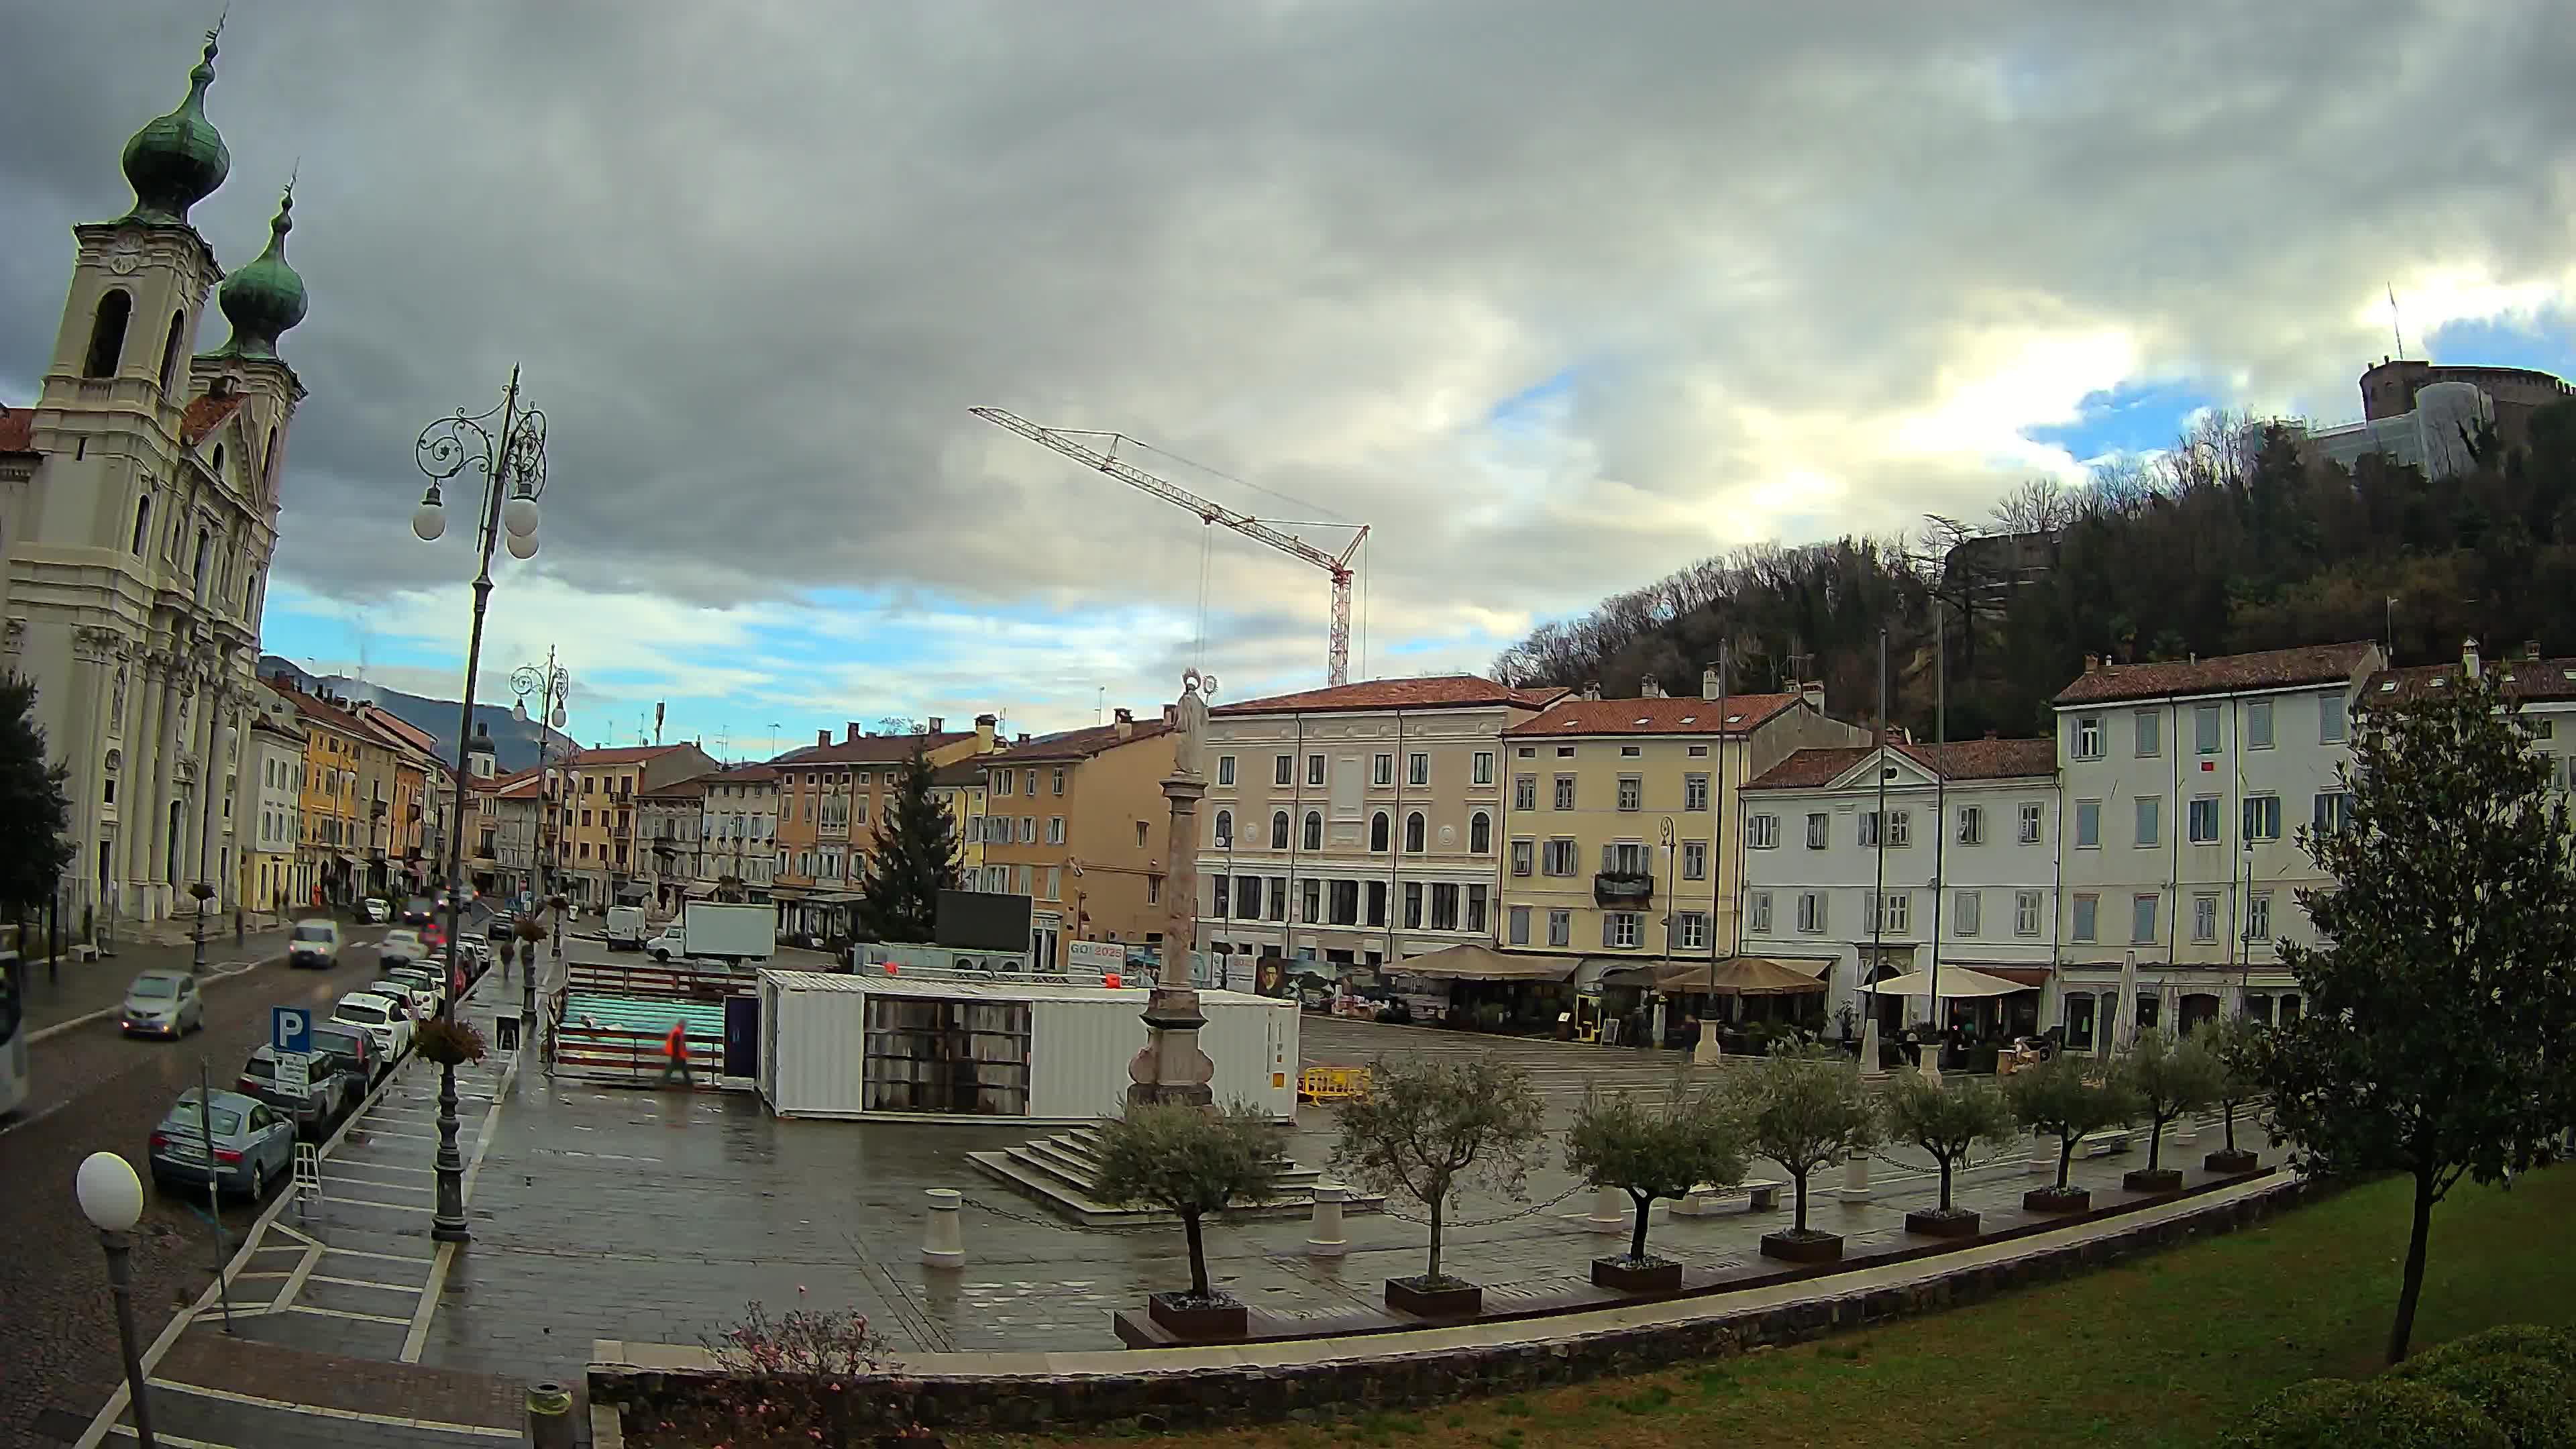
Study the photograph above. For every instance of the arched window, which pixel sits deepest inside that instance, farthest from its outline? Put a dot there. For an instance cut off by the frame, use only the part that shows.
(1480, 833)
(1377, 832)
(107, 334)
(1413, 833)
(1278, 830)
(142, 522)
(268, 460)
(219, 461)
(170, 351)
(1314, 830)
(205, 547)
(1224, 828)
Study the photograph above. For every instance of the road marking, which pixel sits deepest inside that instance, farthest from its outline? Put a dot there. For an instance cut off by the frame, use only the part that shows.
(383, 1167)
(340, 1313)
(381, 1257)
(363, 1283)
(325, 1411)
(368, 1202)
(173, 1440)
(295, 1280)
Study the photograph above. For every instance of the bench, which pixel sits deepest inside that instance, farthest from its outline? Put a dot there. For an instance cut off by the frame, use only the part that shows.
(2107, 1144)
(1703, 1201)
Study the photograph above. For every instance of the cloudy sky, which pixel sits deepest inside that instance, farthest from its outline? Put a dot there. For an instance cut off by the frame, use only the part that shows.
(1556, 298)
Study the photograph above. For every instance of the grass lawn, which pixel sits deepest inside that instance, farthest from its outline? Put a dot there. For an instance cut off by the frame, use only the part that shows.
(2155, 1352)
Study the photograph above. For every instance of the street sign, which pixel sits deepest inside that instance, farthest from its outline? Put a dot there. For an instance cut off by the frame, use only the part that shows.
(1095, 955)
(290, 1029)
(294, 1079)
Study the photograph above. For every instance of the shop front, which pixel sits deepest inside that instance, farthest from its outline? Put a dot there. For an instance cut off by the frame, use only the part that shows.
(1746, 1002)
(1489, 990)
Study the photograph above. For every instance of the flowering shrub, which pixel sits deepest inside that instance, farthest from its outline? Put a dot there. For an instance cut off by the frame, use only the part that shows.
(791, 1378)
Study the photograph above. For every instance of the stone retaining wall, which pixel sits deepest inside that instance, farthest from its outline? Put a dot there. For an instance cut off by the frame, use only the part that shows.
(1235, 1388)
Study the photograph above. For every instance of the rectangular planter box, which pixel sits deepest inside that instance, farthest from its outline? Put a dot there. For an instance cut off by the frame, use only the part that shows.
(1940, 1225)
(1208, 1322)
(2159, 1179)
(1450, 1300)
(1821, 1248)
(2050, 1200)
(1656, 1276)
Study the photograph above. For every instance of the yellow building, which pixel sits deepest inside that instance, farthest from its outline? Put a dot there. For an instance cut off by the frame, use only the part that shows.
(605, 864)
(1619, 818)
(331, 840)
(831, 797)
(959, 788)
(1076, 822)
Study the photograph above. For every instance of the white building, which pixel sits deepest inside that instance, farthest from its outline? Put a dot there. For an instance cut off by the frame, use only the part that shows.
(739, 829)
(2184, 785)
(1960, 868)
(2544, 688)
(274, 762)
(139, 501)
(1357, 825)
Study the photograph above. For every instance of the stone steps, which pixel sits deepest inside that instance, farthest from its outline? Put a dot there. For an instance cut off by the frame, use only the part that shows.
(1063, 1172)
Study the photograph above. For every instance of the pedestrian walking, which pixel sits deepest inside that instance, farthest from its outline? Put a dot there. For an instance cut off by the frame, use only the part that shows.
(677, 1044)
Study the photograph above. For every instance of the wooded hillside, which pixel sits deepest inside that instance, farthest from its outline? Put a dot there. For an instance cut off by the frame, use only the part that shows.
(2222, 544)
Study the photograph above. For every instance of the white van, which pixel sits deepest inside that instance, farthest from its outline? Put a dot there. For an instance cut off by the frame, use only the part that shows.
(625, 928)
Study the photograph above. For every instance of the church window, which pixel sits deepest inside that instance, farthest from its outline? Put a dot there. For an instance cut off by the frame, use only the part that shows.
(142, 522)
(219, 462)
(170, 351)
(107, 333)
(205, 545)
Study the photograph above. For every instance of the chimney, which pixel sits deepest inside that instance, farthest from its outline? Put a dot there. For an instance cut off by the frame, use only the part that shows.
(985, 725)
(938, 724)
(853, 727)
(2531, 649)
(1650, 688)
(822, 738)
(1813, 694)
(1592, 689)
(1708, 685)
(1023, 739)
(1125, 722)
(2092, 663)
(2469, 658)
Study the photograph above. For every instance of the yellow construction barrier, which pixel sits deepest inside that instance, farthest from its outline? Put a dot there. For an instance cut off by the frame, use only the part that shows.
(1332, 1084)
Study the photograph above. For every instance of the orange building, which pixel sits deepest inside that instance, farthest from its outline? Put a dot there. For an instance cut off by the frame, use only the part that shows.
(831, 797)
(1077, 822)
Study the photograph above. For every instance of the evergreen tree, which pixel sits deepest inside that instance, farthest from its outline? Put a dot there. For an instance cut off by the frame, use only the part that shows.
(2440, 1008)
(916, 857)
(35, 817)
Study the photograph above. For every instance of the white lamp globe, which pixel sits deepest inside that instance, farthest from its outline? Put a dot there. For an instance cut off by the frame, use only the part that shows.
(523, 545)
(519, 516)
(428, 521)
(111, 1196)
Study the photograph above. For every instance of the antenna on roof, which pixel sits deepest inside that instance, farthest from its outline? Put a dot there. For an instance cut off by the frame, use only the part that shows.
(2399, 332)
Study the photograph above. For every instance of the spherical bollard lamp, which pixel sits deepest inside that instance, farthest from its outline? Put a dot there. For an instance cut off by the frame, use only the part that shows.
(111, 1197)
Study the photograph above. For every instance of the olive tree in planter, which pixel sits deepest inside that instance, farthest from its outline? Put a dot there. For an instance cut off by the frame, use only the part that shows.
(1426, 1131)
(2239, 1045)
(1947, 1119)
(1804, 1111)
(1652, 1150)
(2066, 1097)
(1190, 1162)
(2166, 1078)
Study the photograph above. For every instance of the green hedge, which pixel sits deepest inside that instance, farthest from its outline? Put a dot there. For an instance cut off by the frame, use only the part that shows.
(2509, 1387)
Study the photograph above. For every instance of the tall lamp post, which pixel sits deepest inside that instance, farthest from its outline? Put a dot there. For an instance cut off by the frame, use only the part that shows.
(550, 684)
(111, 1197)
(507, 445)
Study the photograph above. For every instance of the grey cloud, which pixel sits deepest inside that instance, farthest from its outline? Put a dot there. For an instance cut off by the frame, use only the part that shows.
(758, 261)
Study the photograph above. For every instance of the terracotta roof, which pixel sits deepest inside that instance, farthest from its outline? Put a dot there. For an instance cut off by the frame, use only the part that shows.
(1079, 744)
(206, 414)
(622, 755)
(1958, 760)
(2523, 679)
(1440, 691)
(871, 749)
(739, 775)
(315, 708)
(969, 771)
(694, 785)
(387, 722)
(1570, 716)
(17, 430)
(2222, 674)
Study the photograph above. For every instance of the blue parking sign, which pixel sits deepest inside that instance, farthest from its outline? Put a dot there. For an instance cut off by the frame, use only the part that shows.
(290, 1029)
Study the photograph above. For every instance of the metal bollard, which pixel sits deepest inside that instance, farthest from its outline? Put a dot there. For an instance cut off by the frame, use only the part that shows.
(2043, 1156)
(1856, 1186)
(549, 1416)
(943, 1244)
(1324, 1237)
(1610, 1210)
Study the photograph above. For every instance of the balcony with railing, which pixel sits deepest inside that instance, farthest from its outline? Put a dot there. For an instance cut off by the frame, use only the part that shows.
(1625, 889)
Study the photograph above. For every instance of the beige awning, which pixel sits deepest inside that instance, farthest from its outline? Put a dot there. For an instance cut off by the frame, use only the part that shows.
(1740, 976)
(1957, 983)
(1482, 963)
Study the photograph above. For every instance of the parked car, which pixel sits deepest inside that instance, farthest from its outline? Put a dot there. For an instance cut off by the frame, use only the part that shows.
(385, 1021)
(400, 944)
(416, 998)
(254, 1143)
(423, 979)
(355, 1050)
(503, 924)
(163, 1003)
(328, 1090)
(416, 911)
(314, 943)
(375, 911)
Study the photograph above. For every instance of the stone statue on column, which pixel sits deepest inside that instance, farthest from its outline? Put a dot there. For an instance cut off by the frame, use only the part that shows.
(1172, 1067)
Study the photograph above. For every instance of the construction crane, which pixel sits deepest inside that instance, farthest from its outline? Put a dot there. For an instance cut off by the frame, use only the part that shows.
(1338, 565)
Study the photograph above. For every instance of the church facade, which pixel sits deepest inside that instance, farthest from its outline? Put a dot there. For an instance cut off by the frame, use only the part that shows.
(138, 509)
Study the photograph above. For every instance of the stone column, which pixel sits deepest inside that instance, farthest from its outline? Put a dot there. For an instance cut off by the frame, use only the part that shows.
(1171, 1067)
(164, 876)
(134, 788)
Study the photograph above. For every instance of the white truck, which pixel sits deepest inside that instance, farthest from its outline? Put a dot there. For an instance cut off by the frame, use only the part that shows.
(625, 928)
(745, 935)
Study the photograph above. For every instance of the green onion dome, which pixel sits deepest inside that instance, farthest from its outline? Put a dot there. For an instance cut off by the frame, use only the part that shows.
(178, 160)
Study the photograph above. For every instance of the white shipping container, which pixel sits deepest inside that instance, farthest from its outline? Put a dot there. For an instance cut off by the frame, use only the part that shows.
(922, 1050)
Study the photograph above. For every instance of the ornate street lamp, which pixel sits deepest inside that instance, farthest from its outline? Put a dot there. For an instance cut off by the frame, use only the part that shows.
(507, 445)
(551, 684)
(111, 1197)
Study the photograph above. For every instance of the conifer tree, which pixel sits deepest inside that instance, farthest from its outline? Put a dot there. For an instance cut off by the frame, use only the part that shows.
(916, 857)
(34, 814)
